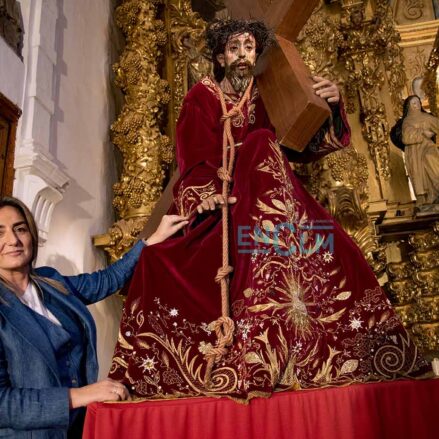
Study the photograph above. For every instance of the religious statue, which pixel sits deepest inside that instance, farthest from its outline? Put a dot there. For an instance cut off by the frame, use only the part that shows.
(415, 134)
(267, 293)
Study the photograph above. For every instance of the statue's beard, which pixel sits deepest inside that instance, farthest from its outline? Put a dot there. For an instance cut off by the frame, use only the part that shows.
(240, 78)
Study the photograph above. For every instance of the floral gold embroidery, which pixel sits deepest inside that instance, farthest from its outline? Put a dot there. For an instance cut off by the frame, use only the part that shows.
(190, 196)
(300, 320)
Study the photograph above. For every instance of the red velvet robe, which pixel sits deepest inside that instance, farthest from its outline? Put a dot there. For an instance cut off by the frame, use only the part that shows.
(308, 309)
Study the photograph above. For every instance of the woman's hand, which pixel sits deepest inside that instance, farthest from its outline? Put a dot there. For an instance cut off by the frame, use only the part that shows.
(167, 227)
(105, 390)
(326, 89)
(212, 202)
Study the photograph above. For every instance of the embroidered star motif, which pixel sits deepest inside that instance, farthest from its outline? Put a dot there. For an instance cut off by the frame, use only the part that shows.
(148, 364)
(355, 323)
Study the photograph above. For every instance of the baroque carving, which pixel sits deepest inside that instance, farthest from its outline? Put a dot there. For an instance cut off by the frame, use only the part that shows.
(414, 288)
(403, 291)
(413, 9)
(363, 53)
(430, 83)
(427, 336)
(137, 133)
(372, 57)
(11, 26)
(339, 180)
(425, 241)
(318, 43)
(188, 62)
(417, 63)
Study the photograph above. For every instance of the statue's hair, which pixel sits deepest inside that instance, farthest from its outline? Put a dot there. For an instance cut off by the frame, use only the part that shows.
(219, 30)
(396, 131)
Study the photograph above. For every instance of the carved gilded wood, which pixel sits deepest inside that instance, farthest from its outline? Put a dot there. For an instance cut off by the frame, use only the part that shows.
(11, 25)
(414, 285)
(431, 82)
(137, 133)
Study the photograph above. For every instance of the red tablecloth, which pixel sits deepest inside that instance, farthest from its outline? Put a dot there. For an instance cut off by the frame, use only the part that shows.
(392, 410)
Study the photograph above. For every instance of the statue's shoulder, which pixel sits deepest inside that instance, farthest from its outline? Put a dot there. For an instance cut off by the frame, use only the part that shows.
(412, 121)
(431, 117)
(204, 90)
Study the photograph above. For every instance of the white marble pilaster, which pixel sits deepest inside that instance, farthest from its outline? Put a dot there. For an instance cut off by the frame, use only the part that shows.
(40, 181)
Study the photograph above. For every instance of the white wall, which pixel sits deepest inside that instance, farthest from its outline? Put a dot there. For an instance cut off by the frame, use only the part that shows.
(64, 158)
(80, 142)
(11, 74)
(80, 134)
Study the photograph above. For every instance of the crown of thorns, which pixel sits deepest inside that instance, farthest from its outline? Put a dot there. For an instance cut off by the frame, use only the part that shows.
(218, 32)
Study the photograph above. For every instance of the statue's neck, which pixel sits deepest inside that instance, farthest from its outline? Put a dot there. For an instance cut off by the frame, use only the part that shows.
(227, 87)
(238, 87)
(414, 113)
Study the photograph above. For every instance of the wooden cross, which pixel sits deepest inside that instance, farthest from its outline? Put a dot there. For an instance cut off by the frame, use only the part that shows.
(284, 80)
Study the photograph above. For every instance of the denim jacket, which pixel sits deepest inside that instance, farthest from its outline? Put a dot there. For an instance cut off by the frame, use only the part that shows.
(33, 402)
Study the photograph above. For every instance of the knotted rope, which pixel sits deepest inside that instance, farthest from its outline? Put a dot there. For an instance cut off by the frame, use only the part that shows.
(225, 326)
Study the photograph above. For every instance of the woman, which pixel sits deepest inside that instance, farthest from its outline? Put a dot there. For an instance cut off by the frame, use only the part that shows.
(415, 134)
(48, 360)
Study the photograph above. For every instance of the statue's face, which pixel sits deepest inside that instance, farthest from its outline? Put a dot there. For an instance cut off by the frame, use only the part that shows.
(239, 54)
(357, 17)
(415, 104)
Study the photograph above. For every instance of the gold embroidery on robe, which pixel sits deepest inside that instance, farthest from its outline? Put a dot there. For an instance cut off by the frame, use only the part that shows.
(190, 196)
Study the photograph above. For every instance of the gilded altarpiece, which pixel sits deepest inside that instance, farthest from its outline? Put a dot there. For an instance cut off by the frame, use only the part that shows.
(359, 44)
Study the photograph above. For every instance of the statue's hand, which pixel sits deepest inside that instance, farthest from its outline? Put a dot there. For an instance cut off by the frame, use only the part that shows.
(326, 89)
(213, 202)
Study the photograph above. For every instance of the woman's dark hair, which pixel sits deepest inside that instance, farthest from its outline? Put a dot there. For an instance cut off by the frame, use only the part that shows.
(396, 131)
(218, 32)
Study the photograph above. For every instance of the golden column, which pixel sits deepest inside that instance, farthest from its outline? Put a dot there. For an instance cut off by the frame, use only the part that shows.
(146, 152)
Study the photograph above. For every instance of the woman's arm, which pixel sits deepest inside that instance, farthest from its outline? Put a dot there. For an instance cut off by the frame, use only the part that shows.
(27, 409)
(93, 287)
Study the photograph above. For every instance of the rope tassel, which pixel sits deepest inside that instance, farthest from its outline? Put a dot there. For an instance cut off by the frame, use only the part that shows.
(224, 326)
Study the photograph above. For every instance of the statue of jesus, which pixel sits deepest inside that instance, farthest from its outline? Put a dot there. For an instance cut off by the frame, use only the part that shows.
(304, 309)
